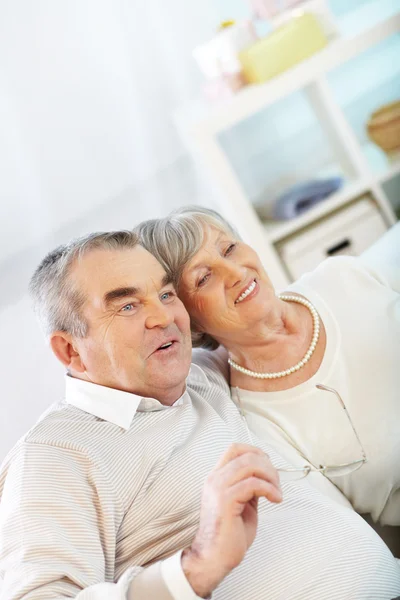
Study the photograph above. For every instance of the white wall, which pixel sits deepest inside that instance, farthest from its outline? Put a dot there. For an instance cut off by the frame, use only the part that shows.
(31, 378)
(87, 90)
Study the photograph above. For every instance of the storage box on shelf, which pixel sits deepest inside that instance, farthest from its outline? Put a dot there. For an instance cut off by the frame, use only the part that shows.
(349, 230)
(201, 124)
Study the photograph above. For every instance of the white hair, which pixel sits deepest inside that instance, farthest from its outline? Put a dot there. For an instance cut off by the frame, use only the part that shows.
(174, 241)
(57, 301)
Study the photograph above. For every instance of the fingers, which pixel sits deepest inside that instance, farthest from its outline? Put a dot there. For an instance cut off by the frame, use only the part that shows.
(248, 465)
(235, 450)
(246, 490)
(251, 468)
(229, 511)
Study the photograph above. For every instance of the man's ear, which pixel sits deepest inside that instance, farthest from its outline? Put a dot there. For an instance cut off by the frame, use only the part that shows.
(63, 347)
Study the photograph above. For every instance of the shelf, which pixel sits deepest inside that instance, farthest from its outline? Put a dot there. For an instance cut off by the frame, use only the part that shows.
(278, 230)
(205, 128)
(354, 19)
(205, 117)
(392, 171)
(382, 167)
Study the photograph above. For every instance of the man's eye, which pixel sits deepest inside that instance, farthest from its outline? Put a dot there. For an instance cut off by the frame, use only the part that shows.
(127, 308)
(167, 296)
(230, 249)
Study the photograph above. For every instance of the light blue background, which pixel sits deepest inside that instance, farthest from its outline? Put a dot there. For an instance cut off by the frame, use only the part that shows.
(285, 143)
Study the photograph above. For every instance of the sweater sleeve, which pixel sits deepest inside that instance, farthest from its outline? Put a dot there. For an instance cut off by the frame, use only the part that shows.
(58, 525)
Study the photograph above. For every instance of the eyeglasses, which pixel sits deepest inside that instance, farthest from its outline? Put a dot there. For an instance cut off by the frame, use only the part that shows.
(327, 470)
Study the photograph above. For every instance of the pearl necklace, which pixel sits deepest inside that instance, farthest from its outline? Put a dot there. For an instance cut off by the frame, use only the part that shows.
(307, 356)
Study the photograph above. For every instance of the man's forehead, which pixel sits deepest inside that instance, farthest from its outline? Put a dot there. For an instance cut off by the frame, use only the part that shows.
(103, 269)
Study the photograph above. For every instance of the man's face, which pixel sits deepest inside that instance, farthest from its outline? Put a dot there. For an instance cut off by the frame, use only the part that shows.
(139, 333)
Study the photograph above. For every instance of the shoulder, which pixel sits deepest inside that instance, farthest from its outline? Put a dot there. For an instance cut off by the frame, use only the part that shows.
(63, 426)
(334, 267)
(33, 466)
(348, 274)
(215, 366)
(40, 432)
(59, 432)
(63, 435)
(383, 258)
(53, 455)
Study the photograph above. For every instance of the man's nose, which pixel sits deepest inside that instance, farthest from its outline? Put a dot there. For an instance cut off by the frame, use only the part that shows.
(159, 315)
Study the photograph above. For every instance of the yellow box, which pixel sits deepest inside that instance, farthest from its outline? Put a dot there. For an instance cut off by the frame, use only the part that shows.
(285, 47)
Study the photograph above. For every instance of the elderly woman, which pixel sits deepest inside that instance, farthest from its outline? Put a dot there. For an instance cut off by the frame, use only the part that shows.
(315, 369)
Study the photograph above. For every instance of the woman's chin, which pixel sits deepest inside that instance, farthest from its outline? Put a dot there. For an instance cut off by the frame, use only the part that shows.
(255, 307)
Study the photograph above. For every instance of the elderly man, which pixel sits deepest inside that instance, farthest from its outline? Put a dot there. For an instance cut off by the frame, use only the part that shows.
(140, 484)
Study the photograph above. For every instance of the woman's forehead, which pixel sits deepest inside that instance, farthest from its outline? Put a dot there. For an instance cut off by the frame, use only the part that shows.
(213, 236)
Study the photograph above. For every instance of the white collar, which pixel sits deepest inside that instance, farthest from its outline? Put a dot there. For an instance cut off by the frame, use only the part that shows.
(117, 406)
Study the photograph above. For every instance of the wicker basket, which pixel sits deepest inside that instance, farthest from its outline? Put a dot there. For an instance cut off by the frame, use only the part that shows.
(384, 127)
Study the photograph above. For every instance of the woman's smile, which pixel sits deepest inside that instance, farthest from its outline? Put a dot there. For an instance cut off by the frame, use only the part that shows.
(249, 292)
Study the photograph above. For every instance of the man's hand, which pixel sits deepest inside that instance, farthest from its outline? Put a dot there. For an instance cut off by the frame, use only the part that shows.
(228, 515)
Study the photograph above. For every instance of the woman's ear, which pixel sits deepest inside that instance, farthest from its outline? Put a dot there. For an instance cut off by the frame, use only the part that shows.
(63, 347)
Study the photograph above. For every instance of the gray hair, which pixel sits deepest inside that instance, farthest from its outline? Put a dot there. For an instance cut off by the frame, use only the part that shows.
(57, 302)
(174, 241)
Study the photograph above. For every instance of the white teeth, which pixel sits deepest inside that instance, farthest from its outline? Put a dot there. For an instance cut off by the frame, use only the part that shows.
(167, 345)
(246, 292)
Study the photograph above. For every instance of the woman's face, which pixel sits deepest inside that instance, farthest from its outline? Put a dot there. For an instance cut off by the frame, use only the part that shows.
(225, 287)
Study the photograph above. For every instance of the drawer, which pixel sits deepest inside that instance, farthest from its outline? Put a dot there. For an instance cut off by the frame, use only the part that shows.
(350, 230)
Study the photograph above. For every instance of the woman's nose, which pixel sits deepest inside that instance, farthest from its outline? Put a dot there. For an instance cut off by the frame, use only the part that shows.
(159, 315)
(234, 274)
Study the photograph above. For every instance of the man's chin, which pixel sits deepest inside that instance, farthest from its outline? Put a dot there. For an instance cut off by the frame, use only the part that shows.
(169, 375)
(167, 392)
(170, 372)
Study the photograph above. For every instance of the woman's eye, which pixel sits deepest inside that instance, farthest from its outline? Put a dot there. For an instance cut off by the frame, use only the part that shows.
(230, 249)
(203, 280)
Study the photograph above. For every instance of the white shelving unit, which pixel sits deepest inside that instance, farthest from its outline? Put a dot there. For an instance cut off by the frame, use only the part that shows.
(202, 123)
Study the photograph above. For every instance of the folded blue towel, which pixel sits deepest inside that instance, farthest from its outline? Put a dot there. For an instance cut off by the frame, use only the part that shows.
(303, 196)
(298, 199)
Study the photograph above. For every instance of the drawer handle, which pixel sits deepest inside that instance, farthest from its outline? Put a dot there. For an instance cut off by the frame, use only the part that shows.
(341, 246)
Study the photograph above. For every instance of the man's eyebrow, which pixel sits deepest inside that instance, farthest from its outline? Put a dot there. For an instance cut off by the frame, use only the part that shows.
(118, 293)
(127, 292)
(166, 280)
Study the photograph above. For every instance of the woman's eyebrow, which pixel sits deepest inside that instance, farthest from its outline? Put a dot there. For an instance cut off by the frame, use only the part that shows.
(202, 263)
(196, 266)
